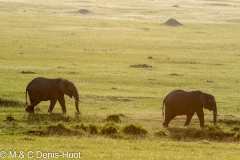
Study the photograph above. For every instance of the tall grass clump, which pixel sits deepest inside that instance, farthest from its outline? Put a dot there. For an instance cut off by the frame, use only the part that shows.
(109, 129)
(134, 129)
(113, 118)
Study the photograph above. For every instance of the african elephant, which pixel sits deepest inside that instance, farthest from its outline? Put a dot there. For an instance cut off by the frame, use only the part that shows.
(179, 102)
(43, 89)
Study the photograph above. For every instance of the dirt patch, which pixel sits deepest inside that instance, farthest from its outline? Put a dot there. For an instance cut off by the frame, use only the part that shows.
(175, 6)
(84, 11)
(36, 133)
(175, 74)
(210, 81)
(141, 66)
(172, 22)
(28, 72)
(218, 4)
(109, 98)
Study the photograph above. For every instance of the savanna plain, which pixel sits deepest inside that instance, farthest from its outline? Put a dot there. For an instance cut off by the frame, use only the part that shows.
(123, 60)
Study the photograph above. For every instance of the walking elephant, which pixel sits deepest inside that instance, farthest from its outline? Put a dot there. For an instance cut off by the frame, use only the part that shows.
(179, 102)
(43, 89)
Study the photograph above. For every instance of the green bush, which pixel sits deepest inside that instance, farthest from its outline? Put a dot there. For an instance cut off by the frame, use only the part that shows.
(9, 103)
(113, 118)
(81, 126)
(60, 129)
(10, 117)
(236, 129)
(160, 134)
(92, 129)
(109, 129)
(134, 129)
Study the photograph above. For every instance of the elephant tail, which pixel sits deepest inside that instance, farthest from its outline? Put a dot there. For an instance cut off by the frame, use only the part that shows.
(163, 108)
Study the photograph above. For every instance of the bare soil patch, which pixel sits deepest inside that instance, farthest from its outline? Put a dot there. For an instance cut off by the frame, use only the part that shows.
(172, 22)
(141, 66)
(84, 11)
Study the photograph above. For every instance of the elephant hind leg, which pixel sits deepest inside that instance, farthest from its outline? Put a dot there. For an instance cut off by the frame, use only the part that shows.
(168, 119)
(188, 119)
(30, 108)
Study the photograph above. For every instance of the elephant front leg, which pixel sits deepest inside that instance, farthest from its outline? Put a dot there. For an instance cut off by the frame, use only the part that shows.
(189, 117)
(52, 104)
(201, 118)
(62, 103)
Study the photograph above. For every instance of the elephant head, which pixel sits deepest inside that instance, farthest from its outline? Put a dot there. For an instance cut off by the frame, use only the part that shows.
(208, 102)
(69, 89)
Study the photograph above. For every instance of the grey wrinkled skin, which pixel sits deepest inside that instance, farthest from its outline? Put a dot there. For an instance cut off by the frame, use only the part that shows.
(43, 89)
(179, 102)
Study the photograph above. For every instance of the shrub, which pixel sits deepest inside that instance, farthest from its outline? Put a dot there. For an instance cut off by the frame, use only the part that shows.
(113, 118)
(36, 133)
(9, 103)
(160, 134)
(60, 129)
(134, 129)
(9, 118)
(236, 129)
(82, 127)
(109, 129)
(92, 129)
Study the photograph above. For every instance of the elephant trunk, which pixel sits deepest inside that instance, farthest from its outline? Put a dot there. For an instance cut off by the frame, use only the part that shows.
(76, 97)
(215, 114)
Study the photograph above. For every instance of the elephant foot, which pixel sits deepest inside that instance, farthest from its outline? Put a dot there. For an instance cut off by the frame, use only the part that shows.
(164, 125)
(50, 110)
(29, 110)
(78, 113)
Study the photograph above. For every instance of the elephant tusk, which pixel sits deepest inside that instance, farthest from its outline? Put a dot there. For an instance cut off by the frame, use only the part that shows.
(215, 113)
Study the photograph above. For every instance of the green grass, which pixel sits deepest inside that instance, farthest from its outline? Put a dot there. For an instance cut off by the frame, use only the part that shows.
(97, 52)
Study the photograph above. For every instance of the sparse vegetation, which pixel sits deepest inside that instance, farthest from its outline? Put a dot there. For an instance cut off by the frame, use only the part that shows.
(141, 66)
(10, 103)
(28, 72)
(113, 118)
(123, 62)
(160, 134)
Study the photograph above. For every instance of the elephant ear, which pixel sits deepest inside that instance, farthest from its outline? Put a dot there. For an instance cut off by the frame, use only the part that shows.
(63, 87)
(204, 100)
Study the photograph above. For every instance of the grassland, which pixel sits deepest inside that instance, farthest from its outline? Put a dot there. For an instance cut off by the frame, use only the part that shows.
(96, 50)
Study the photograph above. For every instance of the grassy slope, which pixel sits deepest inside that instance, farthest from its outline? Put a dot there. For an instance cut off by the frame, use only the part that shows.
(95, 51)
